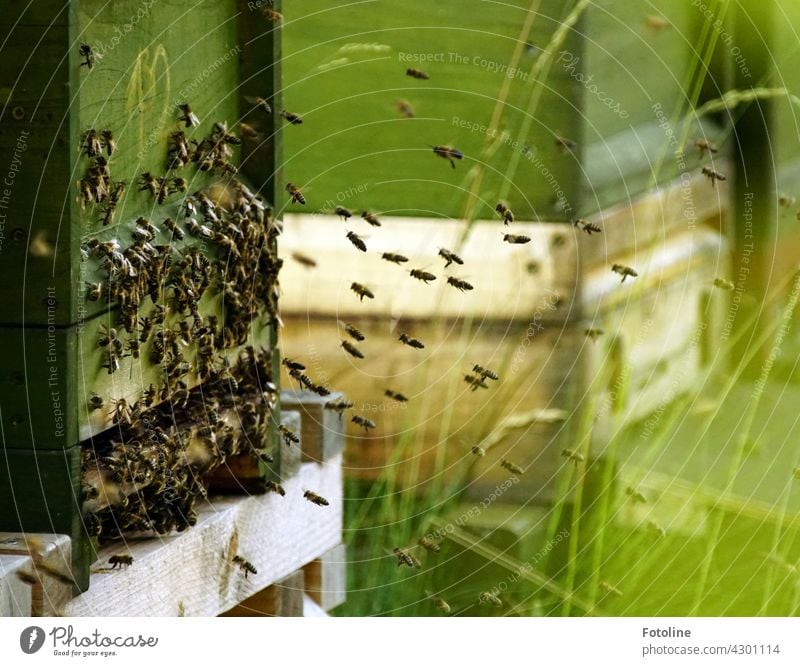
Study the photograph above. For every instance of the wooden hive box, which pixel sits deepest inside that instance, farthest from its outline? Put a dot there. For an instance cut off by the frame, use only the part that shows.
(146, 59)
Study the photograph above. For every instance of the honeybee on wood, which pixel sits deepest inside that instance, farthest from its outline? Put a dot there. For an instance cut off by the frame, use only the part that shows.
(275, 487)
(110, 144)
(27, 577)
(566, 145)
(636, 495)
(608, 588)
(338, 406)
(785, 201)
(272, 15)
(417, 74)
(260, 104)
(461, 285)
(589, 227)
(351, 349)
(505, 212)
(174, 229)
(593, 333)
(485, 372)
(354, 333)
(713, 175)
(429, 544)
(315, 499)
(365, 423)
(441, 604)
(357, 241)
(295, 194)
(448, 153)
(188, 117)
(511, 467)
(89, 56)
(343, 213)
(291, 118)
(422, 275)
(411, 342)
(121, 561)
(516, 239)
(475, 382)
(490, 598)
(704, 146)
(289, 436)
(394, 395)
(244, 565)
(394, 258)
(304, 260)
(478, 451)
(405, 108)
(361, 291)
(95, 402)
(573, 456)
(624, 271)
(722, 283)
(450, 257)
(90, 142)
(94, 290)
(371, 218)
(405, 558)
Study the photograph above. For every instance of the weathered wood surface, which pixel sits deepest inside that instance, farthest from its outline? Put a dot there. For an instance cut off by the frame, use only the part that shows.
(326, 578)
(15, 596)
(321, 430)
(283, 599)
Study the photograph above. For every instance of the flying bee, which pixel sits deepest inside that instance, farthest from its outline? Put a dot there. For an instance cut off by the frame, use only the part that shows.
(485, 372)
(121, 561)
(422, 275)
(429, 544)
(475, 382)
(95, 402)
(304, 260)
(260, 103)
(289, 436)
(363, 422)
(394, 258)
(361, 291)
(624, 271)
(405, 558)
(411, 342)
(511, 467)
(371, 218)
(264, 456)
(272, 15)
(441, 604)
(244, 565)
(351, 349)
(564, 144)
(505, 212)
(608, 588)
(356, 240)
(274, 487)
(291, 118)
(295, 194)
(478, 451)
(405, 108)
(704, 146)
(490, 598)
(417, 74)
(315, 499)
(27, 577)
(461, 285)
(339, 406)
(636, 495)
(90, 142)
(94, 291)
(394, 395)
(343, 213)
(713, 175)
(516, 239)
(448, 153)
(188, 117)
(593, 333)
(589, 227)
(292, 365)
(575, 457)
(89, 56)
(354, 333)
(450, 257)
(722, 283)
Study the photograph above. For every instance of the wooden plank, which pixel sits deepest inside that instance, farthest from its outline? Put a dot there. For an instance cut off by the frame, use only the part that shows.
(15, 596)
(326, 578)
(283, 599)
(311, 608)
(192, 573)
(322, 430)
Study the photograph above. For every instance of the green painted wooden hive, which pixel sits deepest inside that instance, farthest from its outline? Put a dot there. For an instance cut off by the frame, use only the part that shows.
(116, 296)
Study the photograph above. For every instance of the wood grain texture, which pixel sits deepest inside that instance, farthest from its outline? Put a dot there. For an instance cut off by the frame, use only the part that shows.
(283, 599)
(192, 573)
(15, 596)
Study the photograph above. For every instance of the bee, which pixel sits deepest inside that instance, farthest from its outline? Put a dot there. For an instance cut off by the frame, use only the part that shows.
(564, 144)
(429, 544)
(89, 56)
(411, 342)
(475, 382)
(448, 153)
(516, 239)
(289, 437)
(394, 258)
(94, 291)
(636, 495)
(178, 185)
(422, 275)
(149, 396)
(371, 218)
(405, 558)
(653, 526)
(351, 349)
(505, 212)
(450, 257)
(405, 108)
(441, 604)
(511, 467)
(295, 194)
(90, 142)
(121, 561)
(363, 422)
(713, 175)
(108, 337)
(274, 487)
(461, 285)
(264, 456)
(354, 333)
(272, 15)
(107, 138)
(417, 74)
(573, 456)
(624, 271)
(315, 499)
(174, 229)
(589, 227)
(260, 104)
(95, 402)
(704, 146)
(133, 347)
(304, 260)
(356, 240)
(188, 117)
(291, 118)
(608, 588)
(395, 396)
(292, 365)
(593, 333)
(244, 565)
(478, 451)
(722, 283)
(361, 291)
(146, 326)
(656, 22)
(27, 577)
(180, 153)
(338, 406)
(484, 372)
(343, 213)
(490, 598)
